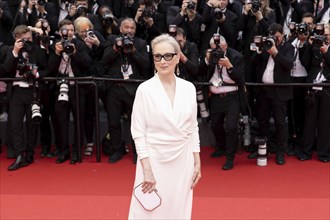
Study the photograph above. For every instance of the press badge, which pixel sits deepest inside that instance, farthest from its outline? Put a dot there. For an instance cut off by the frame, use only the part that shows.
(126, 70)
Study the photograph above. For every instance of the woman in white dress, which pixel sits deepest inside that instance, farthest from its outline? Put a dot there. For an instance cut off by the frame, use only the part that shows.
(165, 130)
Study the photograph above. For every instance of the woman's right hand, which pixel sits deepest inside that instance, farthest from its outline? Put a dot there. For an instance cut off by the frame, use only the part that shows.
(149, 183)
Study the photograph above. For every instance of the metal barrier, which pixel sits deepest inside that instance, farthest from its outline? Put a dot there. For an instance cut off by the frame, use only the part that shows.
(91, 81)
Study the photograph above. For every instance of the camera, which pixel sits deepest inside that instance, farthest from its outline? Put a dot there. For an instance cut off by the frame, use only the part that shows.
(256, 5)
(216, 53)
(125, 43)
(36, 114)
(64, 89)
(172, 30)
(217, 13)
(260, 140)
(27, 70)
(90, 32)
(81, 10)
(41, 2)
(319, 29)
(191, 5)
(27, 45)
(264, 43)
(108, 18)
(68, 47)
(319, 40)
(302, 28)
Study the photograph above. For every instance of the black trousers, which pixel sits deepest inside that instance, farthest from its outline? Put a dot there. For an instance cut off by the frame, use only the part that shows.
(317, 125)
(20, 106)
(117, 101)
(224, 115)
(268, 104)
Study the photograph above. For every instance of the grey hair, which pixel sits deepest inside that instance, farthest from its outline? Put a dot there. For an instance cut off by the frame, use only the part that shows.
(82, 20)
(168, 39)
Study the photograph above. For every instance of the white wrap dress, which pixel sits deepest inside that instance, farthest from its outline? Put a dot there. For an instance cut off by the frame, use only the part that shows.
(168, 136)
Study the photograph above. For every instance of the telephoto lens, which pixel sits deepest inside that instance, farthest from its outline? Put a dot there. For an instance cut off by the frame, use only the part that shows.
(64, 89)
(36, 114)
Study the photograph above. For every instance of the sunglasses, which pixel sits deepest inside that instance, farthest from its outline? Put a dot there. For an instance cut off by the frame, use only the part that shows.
(166, 56)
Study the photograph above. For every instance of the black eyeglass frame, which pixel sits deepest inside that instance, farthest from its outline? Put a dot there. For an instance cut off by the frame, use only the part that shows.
(169, 58)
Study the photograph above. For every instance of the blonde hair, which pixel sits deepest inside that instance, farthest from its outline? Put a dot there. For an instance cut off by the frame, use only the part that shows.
(82, 20)
(168, 39)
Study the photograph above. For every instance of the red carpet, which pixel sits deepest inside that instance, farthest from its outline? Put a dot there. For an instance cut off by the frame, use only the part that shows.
(90, 190)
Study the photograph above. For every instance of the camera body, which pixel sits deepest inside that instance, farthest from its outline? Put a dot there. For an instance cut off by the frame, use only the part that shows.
(68, 47)
(108, 18)
(216, 53)
(256, 5)
(319, 40)
(41, 2)
(81, 10)
(125, 43)
(218, 14)
(302, 28)
(27, 45)
(27, 70)
(64, 90)
(90, 32)
(191, 5)
(264, 43)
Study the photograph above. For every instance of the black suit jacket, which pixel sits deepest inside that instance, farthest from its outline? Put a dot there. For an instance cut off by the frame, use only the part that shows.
(189, 70)
(282, 69)
(139, 60)
(80, 62)
(6, 23)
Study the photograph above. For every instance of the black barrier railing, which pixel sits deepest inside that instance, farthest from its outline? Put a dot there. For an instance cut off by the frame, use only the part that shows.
(91, 81)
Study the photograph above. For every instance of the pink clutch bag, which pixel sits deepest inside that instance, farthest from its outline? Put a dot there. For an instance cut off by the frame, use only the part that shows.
(149, 201)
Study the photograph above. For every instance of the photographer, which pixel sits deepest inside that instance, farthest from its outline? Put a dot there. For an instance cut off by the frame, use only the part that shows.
(38, 9)
(127, 58)
(274, 61)
(296, 106)
(109, 21)
(95, 43)
(6, 22)
(81, 8)
(316, 60)
(28, 61)
(224, 65)
(149, 22)
(124, 8)
(69, 58)
(217, 19)
(187, 18)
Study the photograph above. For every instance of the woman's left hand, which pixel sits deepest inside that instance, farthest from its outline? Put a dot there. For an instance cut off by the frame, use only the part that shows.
(197, 174)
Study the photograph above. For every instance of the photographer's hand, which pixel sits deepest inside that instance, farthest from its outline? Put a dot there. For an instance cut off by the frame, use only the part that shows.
(17, 47)
(273, 51)
(58, 48)
(324, 48)
(92, 40)
(183, 11)
(225, 62)
(72, 11)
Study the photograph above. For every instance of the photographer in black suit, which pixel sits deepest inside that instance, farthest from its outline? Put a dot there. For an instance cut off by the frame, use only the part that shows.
(187, 18)
(127, 58)
(274, 60)
(69, 58)
(217, 19)
(28, 61)
(224, 65)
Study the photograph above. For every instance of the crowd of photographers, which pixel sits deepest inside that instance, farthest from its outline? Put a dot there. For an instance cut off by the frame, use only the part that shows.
(222, 42)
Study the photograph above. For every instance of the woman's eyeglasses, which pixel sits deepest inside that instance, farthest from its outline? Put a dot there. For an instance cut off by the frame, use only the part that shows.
(166, 56)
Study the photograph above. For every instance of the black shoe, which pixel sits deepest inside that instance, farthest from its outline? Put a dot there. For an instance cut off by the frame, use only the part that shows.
(118, 155)
(253, 155)
(44, 152)
(55, 153)
(280, 159)
(63, 158)
(303, 157)
(74, 159)
(19, 162)
(291, 152)
(324, 160)
(228, 165)
(218, 153)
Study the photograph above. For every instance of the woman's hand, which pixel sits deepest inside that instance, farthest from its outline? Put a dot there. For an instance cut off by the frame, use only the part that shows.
(197, 170)
(149, 182)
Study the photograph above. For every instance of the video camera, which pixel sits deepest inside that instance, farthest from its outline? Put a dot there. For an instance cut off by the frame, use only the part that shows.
(264, 43)
(256, 5)
(68, 47)
(125, 43)
(216, 53)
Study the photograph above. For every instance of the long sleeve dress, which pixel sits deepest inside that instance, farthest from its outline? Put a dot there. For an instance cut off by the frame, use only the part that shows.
(168, 136)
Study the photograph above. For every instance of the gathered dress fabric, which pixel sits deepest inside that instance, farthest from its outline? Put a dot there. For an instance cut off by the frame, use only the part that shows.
(168, 136)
